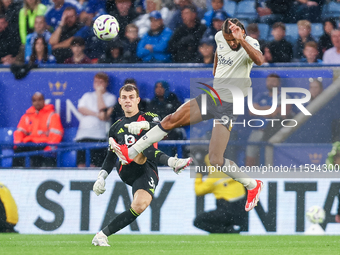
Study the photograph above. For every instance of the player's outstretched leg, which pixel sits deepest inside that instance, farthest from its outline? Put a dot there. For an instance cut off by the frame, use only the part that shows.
(118, 223)
(254, 196)
(100, 239)
(179, 164)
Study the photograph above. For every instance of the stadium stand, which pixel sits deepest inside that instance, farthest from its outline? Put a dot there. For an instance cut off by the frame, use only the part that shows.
(246, 10)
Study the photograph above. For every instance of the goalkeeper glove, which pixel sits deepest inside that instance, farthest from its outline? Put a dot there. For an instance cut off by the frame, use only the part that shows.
(99, 185)
(136, 128)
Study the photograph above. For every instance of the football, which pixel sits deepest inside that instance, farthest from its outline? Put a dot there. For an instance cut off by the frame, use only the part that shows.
(106, 27)
(316, 214)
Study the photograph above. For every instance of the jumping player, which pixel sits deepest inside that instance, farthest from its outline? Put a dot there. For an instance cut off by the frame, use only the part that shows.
(234, 57)
(142, 174)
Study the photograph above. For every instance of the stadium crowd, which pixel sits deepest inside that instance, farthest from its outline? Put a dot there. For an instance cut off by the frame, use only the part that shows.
(156, 31)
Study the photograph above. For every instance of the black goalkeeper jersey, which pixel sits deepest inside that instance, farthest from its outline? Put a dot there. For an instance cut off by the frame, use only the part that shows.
(121, 135)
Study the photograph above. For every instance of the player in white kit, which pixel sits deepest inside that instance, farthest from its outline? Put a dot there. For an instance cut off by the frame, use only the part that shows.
(234, 57)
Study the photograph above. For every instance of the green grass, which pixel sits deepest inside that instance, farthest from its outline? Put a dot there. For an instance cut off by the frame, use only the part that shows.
(170, 244)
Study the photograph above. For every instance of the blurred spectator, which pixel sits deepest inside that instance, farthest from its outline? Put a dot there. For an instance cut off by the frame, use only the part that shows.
(9, 46)
(308, 9)
(310, 53)
(117, 112)
(325, 41)
(92, 9)
(27, 15)
(40, 29)
(62, 37)
(40, 124)
(123, 11)
(254, 32)
(177, 19)
(79, 57)
(268, 58)
(217, 6)
(154, 45)
(94, 47)
(271, 11)
(55, 12)
(40, 53)
(206, 50)
(184, 42)
(9, 216)
(229, 215)
(113, 54)
(130, 44)
(304, 30)
(315, 87)
(264, 101)
(10, 9)
(216, 25)
(164, 103)
(96, 108)
(332, 55)
(281, 50)
(143, 21)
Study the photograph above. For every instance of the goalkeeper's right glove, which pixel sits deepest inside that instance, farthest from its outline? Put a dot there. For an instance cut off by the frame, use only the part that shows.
(99, 185)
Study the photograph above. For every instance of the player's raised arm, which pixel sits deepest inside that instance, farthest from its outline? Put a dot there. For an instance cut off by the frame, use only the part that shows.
(239, 36)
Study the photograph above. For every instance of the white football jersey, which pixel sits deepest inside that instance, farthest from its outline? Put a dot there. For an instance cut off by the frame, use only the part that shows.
(233, 67)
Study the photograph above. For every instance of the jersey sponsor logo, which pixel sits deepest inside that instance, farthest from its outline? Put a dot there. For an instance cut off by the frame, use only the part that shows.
(256, 44)
(223, 61)
(121, 130)
(129, 139)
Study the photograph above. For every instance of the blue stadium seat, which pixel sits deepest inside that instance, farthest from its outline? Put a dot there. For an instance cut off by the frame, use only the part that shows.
(230, 8)
(317, 30)
(292, 33)
(246, 10)
(331, 9)
(264, 31)
(6, 136)
(69, 159)
(69, 134)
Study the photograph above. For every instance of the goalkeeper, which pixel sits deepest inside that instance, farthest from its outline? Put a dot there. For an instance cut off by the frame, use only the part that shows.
(8, 211)
(229, 215)
(142, 174)
(334, 159)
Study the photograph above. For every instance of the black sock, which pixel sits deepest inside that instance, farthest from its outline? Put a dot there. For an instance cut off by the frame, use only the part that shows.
(120, 222)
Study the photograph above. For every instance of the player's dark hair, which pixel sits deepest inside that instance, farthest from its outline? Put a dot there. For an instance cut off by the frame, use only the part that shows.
(226, 25)
(129, 87)
(102, 76)
(274, 75)
(130, 81)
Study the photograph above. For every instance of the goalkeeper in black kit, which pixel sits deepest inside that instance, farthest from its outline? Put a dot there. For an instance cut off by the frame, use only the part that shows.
(142, 174)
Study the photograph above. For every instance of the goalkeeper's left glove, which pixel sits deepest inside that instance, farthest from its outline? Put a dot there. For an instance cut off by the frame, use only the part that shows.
(99, 185)
(136, 128)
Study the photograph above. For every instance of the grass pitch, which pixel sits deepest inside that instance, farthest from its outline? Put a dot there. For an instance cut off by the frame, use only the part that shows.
(169, 244)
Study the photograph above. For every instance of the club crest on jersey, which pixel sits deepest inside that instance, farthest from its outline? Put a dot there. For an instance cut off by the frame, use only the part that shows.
(129, 139)
(223, 61)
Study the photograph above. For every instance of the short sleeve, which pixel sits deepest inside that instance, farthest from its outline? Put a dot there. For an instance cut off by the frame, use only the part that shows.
(83, 100)
(254, 43)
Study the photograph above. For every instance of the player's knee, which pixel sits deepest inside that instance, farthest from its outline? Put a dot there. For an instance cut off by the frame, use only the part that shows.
(139, 206)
